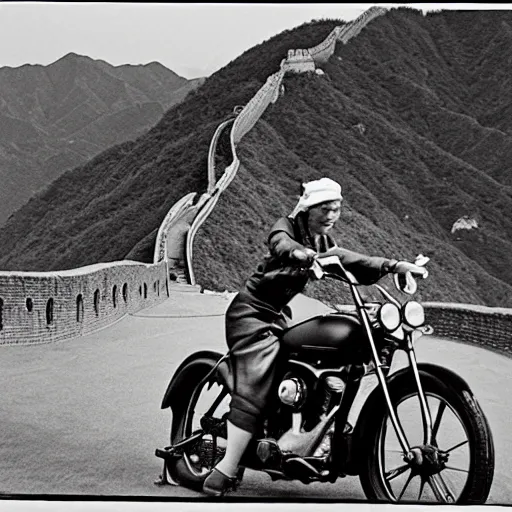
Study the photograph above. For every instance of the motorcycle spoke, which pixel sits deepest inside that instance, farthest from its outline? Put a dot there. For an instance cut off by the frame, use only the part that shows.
(411, 476)
(456, 446)
(444, 488)
(449, 493)
(422, 485)
(437, 422)
(456, 469)
(390, 475)
(441, 490)
(437, 492)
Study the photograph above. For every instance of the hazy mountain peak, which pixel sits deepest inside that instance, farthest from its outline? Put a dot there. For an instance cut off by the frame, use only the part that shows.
(58, 116)
(72, 57)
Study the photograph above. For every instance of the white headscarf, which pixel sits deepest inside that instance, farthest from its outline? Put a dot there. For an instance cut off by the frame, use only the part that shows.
(316, 192)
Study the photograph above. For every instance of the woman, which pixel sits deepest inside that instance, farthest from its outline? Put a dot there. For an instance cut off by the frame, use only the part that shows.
(255, 314)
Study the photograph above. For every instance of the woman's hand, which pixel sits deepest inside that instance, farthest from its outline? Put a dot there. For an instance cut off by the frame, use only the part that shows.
(303, 256)
(402, 267)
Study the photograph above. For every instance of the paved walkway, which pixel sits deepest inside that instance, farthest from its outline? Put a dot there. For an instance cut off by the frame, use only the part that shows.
(83, 417)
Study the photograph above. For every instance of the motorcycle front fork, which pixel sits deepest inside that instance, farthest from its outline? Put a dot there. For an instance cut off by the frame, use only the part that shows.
(425, 412)
(426, 417)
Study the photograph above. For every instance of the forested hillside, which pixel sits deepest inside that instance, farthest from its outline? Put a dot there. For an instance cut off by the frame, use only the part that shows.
(411, 117)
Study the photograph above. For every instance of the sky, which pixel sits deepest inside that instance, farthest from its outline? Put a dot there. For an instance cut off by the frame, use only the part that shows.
(190, 39)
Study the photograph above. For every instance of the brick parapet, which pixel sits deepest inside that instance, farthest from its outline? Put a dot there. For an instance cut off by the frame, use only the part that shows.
(298, 61)
(177, 212)
(490, 328)
(255, 108)
(323, 51)
(27, 315)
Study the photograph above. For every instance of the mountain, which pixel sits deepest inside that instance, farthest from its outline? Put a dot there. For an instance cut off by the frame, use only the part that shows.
(53, 118)
(410, 117)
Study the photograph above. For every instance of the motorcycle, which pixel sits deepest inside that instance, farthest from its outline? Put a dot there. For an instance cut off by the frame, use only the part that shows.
(420, 434)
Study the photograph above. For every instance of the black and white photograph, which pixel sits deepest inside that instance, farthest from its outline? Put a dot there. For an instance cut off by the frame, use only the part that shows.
(255, 255)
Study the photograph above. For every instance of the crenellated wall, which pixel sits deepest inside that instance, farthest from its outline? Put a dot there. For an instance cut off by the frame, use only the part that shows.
(298, 61)
(177, 212)
(489, 328)
(322, 52)
(251, 113)
(39, 307)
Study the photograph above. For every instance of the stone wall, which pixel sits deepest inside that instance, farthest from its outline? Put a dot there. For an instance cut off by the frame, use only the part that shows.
(298, 61)
(251, 113)
(40, 307)
(490, 328)
(178, 211)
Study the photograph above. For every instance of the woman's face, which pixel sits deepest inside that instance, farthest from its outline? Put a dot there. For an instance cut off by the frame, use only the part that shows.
(322, 217)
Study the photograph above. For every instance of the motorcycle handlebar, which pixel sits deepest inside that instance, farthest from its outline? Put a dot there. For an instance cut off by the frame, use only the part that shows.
(405, 283)
(319, 265)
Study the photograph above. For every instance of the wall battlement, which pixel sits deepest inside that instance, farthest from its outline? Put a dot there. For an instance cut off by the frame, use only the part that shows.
(489, 328)
(298, 61)
(39, 307)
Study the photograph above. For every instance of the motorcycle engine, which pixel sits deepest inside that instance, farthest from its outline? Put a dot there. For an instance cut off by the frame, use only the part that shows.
(308, 394)
(307, 402)
(292, 391)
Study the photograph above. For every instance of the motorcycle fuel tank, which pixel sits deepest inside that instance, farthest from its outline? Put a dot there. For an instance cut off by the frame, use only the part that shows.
(327, 341)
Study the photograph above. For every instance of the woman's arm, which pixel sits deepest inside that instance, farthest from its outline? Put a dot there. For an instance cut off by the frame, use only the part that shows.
(366, 269)
(285, 247)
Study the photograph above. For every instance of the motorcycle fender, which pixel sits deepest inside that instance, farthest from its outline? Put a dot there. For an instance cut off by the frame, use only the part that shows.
(189, 372)
(445, 375)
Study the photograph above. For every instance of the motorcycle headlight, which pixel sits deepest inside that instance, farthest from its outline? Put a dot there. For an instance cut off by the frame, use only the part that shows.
(413, 313)
(389, 317)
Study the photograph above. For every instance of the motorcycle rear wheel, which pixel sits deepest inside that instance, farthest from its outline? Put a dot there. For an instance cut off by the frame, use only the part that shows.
(461, 430)
(200, 457)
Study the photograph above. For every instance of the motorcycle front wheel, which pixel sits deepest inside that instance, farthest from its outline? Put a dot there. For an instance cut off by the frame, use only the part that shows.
(461, 439)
